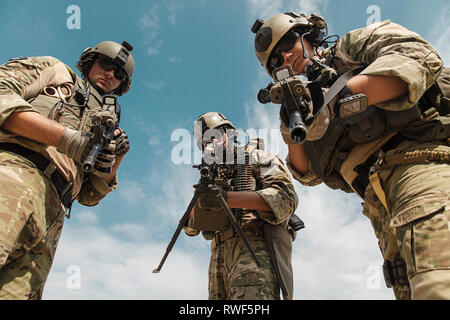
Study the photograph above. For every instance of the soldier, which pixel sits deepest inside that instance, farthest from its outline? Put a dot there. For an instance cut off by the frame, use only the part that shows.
(263, 212)
(46, 115)
(389, 144)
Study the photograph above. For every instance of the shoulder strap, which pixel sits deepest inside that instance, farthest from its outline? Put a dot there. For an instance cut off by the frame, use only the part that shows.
(338, 85)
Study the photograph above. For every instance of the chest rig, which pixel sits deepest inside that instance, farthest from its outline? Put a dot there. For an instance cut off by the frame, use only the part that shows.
(77, 106)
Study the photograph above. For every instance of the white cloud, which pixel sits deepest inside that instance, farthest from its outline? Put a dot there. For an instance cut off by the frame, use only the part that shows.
(156, 85)
(154, 141)
(151, 26)
(116, 262)
(335, 250)
(173, 7)
(131, 231)
(130, 190)
(114, 269)
(86, 217)
(264, 9)
(152, 50)
(174, 59)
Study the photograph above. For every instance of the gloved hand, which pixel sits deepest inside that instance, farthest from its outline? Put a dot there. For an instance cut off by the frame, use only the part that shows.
(105, 161)
(208, 200)
(285, 133)
(316, 129)
(73, 143)
(122, 143)
(284, 125)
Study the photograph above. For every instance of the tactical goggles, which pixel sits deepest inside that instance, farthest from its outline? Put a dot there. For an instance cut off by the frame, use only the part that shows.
(284, 45)
(108, 65)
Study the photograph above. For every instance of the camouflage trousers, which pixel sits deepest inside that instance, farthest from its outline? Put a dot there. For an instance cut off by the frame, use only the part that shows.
(31, 220)
(416, 226)
(234, 274)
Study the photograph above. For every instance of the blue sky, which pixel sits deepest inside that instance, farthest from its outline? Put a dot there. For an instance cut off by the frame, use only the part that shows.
(192, 57)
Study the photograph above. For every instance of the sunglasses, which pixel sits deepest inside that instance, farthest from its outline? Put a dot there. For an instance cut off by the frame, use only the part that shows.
(224, 129)
(284, 45)
(108, 65)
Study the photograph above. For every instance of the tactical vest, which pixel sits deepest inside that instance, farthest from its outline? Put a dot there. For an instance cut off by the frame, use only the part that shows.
(82, 102)
(428, 120)
(71, 114)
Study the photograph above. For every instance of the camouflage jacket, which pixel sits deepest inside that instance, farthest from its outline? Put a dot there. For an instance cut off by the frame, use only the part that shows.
(21, 89)
(273, 184)
(387, 49)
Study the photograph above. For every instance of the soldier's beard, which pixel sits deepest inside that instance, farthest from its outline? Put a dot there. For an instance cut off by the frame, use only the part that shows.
(99, 90)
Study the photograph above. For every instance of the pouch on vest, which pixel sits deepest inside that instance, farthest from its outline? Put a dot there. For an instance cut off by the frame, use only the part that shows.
(210, 219)
(373, 123)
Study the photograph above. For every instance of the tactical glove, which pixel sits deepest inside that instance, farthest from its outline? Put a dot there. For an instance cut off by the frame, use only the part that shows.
(285, 133)
(284, 123)
(105, 161)
(122, 143)
(73, 143)
(316, 129)
(208, 200)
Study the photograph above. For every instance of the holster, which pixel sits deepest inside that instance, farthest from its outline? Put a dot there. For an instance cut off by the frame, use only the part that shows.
(279, 245)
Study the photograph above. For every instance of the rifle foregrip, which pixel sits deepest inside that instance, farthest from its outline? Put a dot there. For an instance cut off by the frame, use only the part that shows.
(89, 162)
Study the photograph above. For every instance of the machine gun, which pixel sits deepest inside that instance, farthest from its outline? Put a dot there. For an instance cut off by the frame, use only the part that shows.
(207, 185)
(104, 123)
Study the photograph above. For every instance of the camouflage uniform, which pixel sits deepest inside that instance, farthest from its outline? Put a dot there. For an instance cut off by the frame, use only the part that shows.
(415, 224)
(233, 274)
(31, 211)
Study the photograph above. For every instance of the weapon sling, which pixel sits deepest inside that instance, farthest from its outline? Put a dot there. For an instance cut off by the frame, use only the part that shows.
(185, 218)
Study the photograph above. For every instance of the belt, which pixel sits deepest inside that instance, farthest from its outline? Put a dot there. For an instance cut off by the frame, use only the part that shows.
(63, 187)
(362, 180)
(221, 237)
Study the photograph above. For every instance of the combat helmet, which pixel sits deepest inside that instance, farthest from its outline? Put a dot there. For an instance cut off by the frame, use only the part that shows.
(209, 120)
(269, 33)
(118, 53)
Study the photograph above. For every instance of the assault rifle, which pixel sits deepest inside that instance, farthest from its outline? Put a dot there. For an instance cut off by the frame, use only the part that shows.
(206, 185)
(295, 95)
(102, 132)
